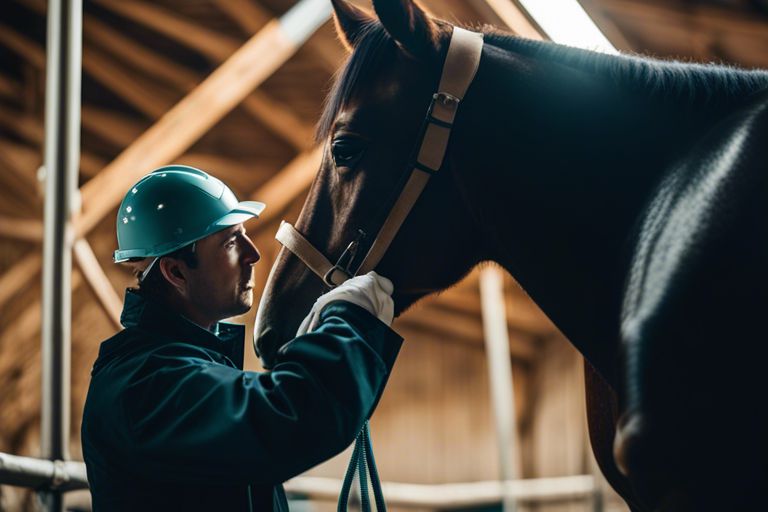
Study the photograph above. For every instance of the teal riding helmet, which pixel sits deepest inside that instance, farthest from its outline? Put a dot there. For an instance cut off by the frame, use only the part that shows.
(174, 206)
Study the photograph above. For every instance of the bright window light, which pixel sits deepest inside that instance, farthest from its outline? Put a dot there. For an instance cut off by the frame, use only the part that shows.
(567, 23)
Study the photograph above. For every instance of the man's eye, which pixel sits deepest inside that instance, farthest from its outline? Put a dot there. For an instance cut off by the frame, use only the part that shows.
(347, 151)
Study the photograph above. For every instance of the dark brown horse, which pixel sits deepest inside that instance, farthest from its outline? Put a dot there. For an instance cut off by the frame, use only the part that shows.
(628, 196)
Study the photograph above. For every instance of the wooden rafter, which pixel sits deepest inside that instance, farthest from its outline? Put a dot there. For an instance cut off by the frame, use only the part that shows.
(277, 118)
(112, 126)
(515, 19)
(250, 16)
(19, 275)
(288, 184)
(9, 88)
(23, 46)
(21, 229)
(215, 46)
(446, 326)
(98, 281)
(183, 125)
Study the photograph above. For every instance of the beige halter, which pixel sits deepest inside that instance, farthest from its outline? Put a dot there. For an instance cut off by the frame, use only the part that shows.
(461, 64)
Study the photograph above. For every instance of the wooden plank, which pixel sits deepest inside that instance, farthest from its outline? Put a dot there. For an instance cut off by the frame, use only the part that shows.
(251, 16)
(9, 88)
(515, 18)
(23, 125)
(19, 275)
(448, 326)
(288, 184)
(277, 118)
(113, 127)
(211, 44)
(21, 164)
(703, 18)
(21, 229)
(97, 280)
(136, 91)
(185, 123)
(25, 47)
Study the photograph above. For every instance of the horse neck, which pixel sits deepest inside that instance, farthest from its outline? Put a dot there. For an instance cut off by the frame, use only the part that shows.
(557, 163)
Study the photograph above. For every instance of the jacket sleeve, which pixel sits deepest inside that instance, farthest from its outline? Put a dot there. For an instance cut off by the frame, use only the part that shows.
(194, 419)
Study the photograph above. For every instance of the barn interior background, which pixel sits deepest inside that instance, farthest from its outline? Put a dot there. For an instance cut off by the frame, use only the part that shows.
(148, 68)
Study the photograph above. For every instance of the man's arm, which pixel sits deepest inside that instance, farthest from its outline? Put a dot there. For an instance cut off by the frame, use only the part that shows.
(200, 420)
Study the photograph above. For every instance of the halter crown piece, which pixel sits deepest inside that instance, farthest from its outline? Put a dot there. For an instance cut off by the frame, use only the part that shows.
(459, 70)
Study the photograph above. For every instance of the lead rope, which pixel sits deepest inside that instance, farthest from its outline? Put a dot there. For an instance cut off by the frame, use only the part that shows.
(364, 463)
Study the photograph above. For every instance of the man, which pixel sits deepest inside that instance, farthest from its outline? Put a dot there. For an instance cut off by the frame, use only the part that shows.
(171, 421)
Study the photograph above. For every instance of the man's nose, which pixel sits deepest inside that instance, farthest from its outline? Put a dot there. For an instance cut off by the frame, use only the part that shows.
(251, 253)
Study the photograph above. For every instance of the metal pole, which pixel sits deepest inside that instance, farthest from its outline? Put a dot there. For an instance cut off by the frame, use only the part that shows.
(500, 370)
(61, 162)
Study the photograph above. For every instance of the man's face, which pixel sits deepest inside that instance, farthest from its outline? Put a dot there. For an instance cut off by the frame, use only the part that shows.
(221, 286)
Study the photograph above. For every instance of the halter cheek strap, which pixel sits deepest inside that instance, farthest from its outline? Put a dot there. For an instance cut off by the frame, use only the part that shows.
(459, 70)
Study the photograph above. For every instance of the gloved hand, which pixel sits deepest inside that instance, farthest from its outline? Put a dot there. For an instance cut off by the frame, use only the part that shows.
(370, 291)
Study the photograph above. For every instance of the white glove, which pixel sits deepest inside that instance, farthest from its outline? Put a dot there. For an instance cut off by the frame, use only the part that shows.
(371, 292)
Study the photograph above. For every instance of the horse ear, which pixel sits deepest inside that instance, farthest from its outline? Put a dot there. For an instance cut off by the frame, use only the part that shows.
(408, 24)
(350, 21)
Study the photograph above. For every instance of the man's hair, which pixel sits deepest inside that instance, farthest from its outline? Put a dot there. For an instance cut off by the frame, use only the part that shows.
(154, 284)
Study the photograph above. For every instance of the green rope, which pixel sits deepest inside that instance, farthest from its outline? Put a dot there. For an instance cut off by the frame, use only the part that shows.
(363, 462)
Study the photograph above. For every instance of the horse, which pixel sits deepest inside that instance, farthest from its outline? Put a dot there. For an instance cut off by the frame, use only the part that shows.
(627, 196)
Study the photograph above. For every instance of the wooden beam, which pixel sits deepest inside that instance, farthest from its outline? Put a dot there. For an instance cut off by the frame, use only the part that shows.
(97, 280)
(522, 313)
(25, 47)
(211, 44)
(185, 123)
(22, 124)
(277, 118)
(21, 229)
(698, 17)
(19, 275)
(111, 126)
(21, 164)
(250, 16)
(468, 329)
(9, 88)
(288, 184)
(515, 18)
(135, 91)
(24, 327)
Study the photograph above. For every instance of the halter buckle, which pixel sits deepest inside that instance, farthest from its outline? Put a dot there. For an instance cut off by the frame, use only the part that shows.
(345, 261)
(448, 101)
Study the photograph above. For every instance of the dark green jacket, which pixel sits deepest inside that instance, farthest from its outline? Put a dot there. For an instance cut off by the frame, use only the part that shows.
(172, 422)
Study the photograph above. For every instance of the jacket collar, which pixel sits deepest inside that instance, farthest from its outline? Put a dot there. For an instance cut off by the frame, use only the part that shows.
(157, 319)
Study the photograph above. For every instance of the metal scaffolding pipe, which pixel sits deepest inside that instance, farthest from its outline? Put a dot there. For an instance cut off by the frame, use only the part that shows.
(41, 473)
(61, 162)
(500, 369)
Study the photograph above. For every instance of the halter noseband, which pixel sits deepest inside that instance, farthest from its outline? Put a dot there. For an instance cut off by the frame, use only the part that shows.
(459, 70)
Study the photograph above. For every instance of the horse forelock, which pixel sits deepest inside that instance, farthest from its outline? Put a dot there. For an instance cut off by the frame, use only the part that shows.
(366, 54)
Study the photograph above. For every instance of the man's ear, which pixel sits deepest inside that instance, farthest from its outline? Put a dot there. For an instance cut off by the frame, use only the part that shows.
(410, 26)
(350, 22)
(173, 272)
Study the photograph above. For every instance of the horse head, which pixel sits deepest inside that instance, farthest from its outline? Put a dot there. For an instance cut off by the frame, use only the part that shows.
(369, 129)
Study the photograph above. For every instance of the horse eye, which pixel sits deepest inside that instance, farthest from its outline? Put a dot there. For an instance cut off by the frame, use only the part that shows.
(347, 151)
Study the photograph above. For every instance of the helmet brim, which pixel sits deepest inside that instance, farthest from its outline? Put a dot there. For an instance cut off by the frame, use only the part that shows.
(242, 212)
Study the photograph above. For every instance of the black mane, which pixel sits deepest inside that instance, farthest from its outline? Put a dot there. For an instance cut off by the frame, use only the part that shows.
(672, 80)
